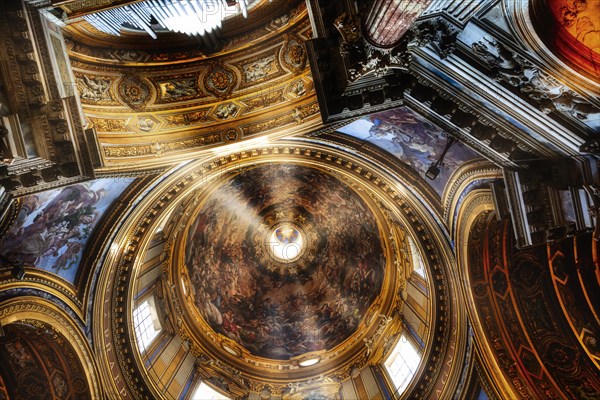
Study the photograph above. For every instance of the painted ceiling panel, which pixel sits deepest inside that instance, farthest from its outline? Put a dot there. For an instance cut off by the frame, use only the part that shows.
(53, 227)
(415, 141)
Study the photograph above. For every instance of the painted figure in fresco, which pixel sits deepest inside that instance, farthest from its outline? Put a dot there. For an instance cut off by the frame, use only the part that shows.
(581, 19)
(410, 135)
(570, 11)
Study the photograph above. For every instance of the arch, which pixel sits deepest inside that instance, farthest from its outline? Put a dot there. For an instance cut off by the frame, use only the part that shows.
(43, 338)
(534, 23)
(478, 207)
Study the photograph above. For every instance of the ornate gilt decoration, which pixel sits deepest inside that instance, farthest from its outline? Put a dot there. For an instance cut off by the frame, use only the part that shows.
(134, 91)
(264, 99)
(94, 88)
(220, 80)
(227, 110)
(298, 88)
(177, 88)
(196, 96)
(189, 118)
(259, 68)
(159, 148)
(109, 125)
(293, 54)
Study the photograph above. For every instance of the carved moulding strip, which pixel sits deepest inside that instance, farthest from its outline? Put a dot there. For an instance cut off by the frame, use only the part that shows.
(302, 119)
(159, 148)
(459, 182)
(37, 309)
(485, 378)
(113, 309)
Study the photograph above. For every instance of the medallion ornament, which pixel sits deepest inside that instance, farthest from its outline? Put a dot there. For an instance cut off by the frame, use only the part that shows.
(134, 91)
(220, 80)
(293, 54)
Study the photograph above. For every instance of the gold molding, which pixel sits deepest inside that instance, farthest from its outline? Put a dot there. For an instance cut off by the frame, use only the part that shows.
(459, 181)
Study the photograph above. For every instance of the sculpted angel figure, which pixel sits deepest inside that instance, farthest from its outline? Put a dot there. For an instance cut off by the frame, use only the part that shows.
(95, 88)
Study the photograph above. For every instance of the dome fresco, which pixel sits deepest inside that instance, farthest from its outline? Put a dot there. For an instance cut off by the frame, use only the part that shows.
(284, 259)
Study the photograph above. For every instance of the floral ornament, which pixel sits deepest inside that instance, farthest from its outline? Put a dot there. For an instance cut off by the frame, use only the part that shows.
(231, 135)
(220, 80)
(293, 54)
(134, 91)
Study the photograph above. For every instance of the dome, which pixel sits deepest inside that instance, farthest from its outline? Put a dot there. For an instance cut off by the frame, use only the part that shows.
(283, 260)
(280, 267)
